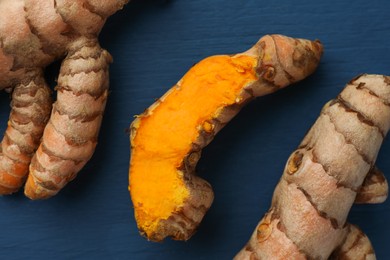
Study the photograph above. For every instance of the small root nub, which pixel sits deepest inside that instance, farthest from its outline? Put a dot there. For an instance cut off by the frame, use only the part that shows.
(294, 162)
(264, 230)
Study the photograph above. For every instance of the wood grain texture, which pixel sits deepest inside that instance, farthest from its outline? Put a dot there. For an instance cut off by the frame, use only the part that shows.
(153, 43)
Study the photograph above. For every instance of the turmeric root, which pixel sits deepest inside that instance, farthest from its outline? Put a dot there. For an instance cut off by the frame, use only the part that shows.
(167, 139)
(333, 167)
(51, 149)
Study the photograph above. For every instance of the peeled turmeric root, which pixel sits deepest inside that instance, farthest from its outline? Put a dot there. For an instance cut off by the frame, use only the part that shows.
(332, 168)
(167, 139)
(45, 144)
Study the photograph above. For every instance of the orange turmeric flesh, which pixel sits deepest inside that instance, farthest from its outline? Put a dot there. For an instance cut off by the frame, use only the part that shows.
(161, 150)
(167, 138)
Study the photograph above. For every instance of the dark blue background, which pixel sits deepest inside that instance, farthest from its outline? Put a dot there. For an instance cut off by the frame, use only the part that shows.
(154, 43)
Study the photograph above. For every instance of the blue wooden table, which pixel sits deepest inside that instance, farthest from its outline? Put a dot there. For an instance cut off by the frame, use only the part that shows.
(154, 43)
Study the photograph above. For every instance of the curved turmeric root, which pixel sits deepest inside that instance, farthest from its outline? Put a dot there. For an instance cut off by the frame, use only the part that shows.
(167, 139)
(70, 136)
(333, 167)
(31, 105)
(33, 34)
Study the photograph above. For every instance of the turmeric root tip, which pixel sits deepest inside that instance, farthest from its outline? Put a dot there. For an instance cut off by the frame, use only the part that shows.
(70, 136)
(31, 105)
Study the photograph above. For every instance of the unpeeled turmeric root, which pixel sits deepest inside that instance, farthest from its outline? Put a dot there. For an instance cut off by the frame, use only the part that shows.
(50, 144)
(167, 139)
(332, 168)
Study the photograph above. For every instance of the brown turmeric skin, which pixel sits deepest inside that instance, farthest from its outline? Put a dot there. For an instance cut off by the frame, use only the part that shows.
(333, 167)
(48, 143)
(167, 139)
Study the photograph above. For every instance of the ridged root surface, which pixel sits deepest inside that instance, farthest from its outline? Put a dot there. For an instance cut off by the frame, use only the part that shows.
(33, 34)
(333, 167)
